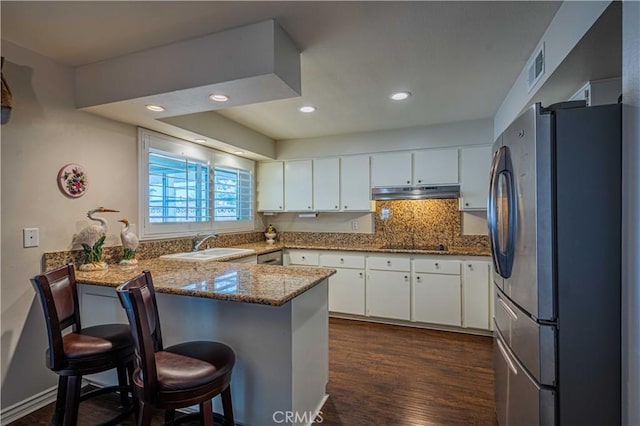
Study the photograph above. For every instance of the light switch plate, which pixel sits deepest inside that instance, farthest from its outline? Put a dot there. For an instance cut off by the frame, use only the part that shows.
(30, 237)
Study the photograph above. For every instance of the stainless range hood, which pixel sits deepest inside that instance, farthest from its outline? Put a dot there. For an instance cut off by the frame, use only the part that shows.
(415, 192)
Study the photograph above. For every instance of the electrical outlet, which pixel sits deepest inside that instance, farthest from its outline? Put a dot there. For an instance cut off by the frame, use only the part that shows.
(30, 237)
(354, 225)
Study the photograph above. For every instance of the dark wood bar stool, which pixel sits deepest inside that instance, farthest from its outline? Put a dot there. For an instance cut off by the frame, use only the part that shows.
(82, 351)
(177, 376)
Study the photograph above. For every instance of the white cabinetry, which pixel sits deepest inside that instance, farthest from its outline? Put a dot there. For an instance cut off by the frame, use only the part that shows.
(476, 294)
(388, 288)
(326, 184)
(435, 166)
(346, 287)
(475, 163)
(355, 183)
(391, 169)
(436, 292)
(424, 167)
(304, 257)
(298, 185)
(270, 186)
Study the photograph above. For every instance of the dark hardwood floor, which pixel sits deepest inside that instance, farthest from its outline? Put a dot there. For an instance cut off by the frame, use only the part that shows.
(380, 375)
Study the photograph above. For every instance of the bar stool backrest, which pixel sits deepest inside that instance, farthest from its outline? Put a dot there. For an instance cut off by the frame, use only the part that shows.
(138, 298)
(59, 298)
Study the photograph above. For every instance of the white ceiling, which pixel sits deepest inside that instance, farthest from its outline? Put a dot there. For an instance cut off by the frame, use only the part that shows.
(459, 59)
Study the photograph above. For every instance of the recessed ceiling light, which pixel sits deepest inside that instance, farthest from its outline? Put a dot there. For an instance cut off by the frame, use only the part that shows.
(238, 152)
(155, 108)
(199, 140)
(400, 96)
(218, 97)
(307, 108)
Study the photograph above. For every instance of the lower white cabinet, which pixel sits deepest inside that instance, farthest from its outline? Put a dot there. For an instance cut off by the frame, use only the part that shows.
(346, 291)
(436, 292)
(346, 287)
(476, 294)
(388, 294)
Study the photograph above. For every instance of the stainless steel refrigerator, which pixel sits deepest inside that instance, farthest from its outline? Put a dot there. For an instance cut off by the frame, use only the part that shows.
(554, 215)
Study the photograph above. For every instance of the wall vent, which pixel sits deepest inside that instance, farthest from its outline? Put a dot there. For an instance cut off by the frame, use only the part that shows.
(536, 67)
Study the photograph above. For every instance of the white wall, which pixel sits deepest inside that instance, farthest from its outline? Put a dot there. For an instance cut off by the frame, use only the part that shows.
(570, 23)
(631, 212)
(462, 133)
(45, 133)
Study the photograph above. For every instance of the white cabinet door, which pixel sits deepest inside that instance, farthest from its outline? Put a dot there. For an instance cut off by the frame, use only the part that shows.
(436, 299)
(435, 166)
(474, 177)
(391, 169)
(346, 291)
(388, 294)
(298, 185)
(476, 294)
(270, 188)
(355, 183)
(326, 184)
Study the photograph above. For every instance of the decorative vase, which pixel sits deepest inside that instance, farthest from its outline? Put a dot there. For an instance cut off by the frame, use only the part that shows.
(271, 237)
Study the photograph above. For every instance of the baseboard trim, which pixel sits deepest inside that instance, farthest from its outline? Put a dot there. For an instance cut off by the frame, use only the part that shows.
(427, 326)
(29, 405)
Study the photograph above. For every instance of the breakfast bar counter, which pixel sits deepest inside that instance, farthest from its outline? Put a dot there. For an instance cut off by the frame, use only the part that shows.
(275, 318)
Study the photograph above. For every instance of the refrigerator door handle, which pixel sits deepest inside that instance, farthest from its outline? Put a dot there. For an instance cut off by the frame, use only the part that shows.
(507, 309)
(492, 217)
(506, 357)
(501, 213)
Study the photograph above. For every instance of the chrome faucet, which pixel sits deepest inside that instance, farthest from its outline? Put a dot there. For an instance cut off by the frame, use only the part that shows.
(198, 239)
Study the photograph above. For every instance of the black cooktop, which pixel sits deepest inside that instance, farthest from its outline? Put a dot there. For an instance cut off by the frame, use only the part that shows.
(440, 247)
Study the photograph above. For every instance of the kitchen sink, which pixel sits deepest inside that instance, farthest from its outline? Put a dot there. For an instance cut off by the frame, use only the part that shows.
(204, 255)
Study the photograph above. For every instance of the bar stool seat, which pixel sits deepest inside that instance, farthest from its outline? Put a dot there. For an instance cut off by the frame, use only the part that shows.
(177, 376)
(82, 351)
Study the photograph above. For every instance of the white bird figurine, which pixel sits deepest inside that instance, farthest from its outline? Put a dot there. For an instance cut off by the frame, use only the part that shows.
(93, 233)
(129, 242)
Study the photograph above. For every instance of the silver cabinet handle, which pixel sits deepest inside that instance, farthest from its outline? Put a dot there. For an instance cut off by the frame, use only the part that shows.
(337, 207)
(437, 265)
(470, 266)
(309, 207)
(360, 274)
(419, 180)
(341, 260)
(417, 277)
(345, 206)
(303, 257)
(406, 278)
(389, 262)
(408, 181)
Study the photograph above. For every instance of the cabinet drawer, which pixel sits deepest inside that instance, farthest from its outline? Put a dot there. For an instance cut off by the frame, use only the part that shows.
(342, 261)
(437, 266)
(299, 257)
(389, 263)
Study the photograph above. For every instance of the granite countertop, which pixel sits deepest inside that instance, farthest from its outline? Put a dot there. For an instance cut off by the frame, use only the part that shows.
(262, 247)
(240, 282)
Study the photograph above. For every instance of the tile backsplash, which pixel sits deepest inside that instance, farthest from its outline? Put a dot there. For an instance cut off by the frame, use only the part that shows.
(423, 223)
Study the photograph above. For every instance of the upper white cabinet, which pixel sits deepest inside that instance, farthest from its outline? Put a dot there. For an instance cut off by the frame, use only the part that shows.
(391, 169)
(298, 185)
(270, 187)
(435, 166)
(424, 167)
(326, 184)
(355, 183)
(475, 163)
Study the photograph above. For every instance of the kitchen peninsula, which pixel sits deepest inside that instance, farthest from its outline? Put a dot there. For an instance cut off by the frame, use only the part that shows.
(275, 318)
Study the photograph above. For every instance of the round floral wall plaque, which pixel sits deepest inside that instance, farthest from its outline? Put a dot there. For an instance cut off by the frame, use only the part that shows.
(72, 180)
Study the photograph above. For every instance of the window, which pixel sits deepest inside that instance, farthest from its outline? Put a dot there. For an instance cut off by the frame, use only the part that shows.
(186, 188)
(178, 188)
(232, 194)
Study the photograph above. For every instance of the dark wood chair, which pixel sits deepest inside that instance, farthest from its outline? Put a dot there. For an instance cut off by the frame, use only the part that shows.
(177, 376)
(82, 351)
